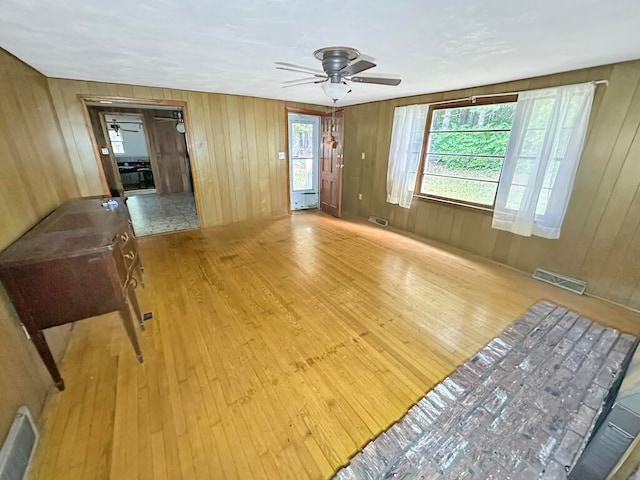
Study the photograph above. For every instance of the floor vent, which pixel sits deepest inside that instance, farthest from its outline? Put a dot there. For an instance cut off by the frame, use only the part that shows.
(379, 221)
(19, 446)
(568, 283)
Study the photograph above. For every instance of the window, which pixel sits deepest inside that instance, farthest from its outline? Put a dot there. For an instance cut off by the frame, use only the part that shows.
(465, 148)
(115, 136)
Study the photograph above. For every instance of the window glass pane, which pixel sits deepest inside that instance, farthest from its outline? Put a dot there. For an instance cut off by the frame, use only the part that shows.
(516, 194)
(574, 109)
(118, 147)
(522, 170)
(115, 136)
(302, 139)
(469, 143)
(481, 168)
(532, 142)
(302, 150)
(472, 191)
(541, 113)
(477, 117)
(543, 201)
(466, 151)
(302, 173)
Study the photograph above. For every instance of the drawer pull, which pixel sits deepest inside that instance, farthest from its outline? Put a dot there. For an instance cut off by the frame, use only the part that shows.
(124, 237)
(129, 255)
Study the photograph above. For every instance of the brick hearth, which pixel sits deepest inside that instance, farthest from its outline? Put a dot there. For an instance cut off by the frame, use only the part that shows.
(521, 408)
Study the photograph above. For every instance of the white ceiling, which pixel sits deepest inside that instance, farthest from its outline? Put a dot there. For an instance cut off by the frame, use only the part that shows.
(231, 46)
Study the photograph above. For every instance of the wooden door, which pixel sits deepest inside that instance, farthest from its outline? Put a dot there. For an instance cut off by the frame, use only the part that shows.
(107, 158)
(167, 153)
(331, 164)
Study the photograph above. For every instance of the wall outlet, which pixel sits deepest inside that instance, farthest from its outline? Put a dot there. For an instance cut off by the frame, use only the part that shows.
(363, 156)
(359, 196)
(281, 156)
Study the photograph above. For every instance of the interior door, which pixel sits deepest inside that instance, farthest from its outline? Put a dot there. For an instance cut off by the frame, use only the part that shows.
(304, 159)
(109, 163)
(331, 164)
(168, 153)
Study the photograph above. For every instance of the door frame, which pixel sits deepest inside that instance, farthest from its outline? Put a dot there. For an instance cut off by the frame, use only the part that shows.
(84, 99)
(316, 122)
(302, 111)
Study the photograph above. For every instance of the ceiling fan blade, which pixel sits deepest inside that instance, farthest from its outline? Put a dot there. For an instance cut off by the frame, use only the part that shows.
(300, 80)
(299, 71)
(305, 83)
(356, 67)
(377, 80)
(298, 68)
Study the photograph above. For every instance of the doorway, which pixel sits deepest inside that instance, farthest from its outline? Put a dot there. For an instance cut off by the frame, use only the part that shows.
(133, 162)
(315, 160)
(304, 160)
(145, 158)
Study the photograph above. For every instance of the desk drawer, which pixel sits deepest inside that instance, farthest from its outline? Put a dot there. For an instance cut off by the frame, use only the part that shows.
(125, 254)
(61, 291)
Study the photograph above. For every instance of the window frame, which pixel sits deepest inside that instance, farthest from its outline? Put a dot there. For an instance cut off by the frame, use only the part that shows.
(476, 101)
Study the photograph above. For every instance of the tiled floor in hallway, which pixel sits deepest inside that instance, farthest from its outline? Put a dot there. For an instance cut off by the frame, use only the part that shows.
(153, 213)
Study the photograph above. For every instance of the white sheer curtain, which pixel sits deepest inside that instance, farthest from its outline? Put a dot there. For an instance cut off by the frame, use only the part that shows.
(404, 153)
(541, 160)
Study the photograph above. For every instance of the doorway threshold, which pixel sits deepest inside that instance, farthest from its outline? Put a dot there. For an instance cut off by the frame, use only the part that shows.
(141, 191)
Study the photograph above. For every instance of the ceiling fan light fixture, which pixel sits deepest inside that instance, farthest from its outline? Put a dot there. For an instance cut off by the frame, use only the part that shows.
(335, 91)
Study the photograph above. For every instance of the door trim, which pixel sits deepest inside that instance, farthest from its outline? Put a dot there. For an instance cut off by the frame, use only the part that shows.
(146, 102)
(316, 122)
(287, 111)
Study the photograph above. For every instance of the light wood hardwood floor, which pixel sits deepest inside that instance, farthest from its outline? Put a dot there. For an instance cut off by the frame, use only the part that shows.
(277, 349)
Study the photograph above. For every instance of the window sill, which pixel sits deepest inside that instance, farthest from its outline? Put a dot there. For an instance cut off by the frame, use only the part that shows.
(453, 203)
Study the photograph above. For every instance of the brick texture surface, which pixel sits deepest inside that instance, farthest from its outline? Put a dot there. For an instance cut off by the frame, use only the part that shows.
(522, 407)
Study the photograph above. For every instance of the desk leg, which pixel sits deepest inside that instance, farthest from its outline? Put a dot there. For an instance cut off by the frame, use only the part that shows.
(41, 345)
(125, 314)
(131, 294)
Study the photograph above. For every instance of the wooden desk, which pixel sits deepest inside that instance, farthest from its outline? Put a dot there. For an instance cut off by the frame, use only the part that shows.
(78, 262)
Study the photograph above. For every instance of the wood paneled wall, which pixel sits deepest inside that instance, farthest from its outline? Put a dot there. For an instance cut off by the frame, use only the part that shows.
(35, 177)
(234, 144)
(600, 240)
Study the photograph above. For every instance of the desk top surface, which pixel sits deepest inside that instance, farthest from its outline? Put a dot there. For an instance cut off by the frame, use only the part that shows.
(74, 228)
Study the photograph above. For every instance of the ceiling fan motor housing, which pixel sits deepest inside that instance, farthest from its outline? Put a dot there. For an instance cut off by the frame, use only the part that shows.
(335, 59)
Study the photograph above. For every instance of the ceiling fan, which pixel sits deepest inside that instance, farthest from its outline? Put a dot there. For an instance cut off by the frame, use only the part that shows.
(116, 128)
(339, 66)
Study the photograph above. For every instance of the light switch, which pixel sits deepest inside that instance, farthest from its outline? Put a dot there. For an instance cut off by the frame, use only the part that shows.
(281, 156)
(104, 151)
(359, 196)
(363, 156)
